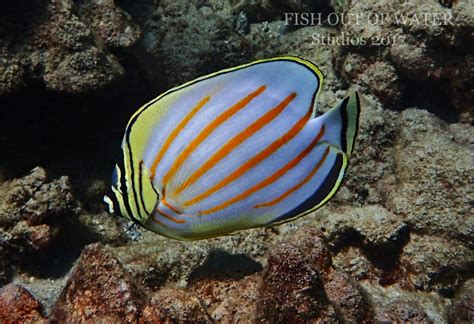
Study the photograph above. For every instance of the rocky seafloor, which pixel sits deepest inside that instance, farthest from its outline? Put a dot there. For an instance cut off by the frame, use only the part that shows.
(394, 245)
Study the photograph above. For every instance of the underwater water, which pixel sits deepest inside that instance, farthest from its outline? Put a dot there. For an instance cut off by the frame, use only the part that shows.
(394, 244)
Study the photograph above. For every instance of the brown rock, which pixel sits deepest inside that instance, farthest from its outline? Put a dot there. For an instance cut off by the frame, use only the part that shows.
(436, 264)
(346, 297)
(310, 241)
(112, 24)
(189, 40)
(437, 53)
(32, 238)
(98, 289)
(49, 41)
(230, 301)
(12, 72)
(393, 304)
(383, 81)
(462, 309)
(371, 163)
(156, 261)
(36, 199)
(404, 312)
(174, 306)
(17, 305)
(292, 289)
(302, 5)
(353, 261)
(32, 212)
(373, 227)
(434, 176)
(300, 285)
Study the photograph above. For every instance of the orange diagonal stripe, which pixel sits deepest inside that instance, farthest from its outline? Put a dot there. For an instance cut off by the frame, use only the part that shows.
(175, 133)
(236, 141)
(171, 218)
(208, 130)
(158, 222)
(270, 149)
(167, 204)
(299, 185)
(274, 177)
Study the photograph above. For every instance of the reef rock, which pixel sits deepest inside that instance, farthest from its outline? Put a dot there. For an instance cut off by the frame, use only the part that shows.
(434, 179)
(373, 227)
(392, 304)
(462, 308)
(413, 41)
(36, 200)
(53, 42)
(299, 284)
(156, 261)
(437, 264)
(174, 305)
(18, 306)
(372, 168)
(99, 289)
(31, 214)
(395, 243)
(112, 24)
(184, 40)
(366, 242)
(229, 301)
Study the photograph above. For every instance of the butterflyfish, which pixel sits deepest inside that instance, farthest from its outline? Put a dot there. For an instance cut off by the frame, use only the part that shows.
(236, 149)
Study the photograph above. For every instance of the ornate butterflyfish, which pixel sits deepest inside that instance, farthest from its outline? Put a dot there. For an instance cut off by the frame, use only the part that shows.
(236, 149)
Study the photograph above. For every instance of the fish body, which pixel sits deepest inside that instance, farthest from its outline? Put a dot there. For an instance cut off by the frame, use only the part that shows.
(237, 149)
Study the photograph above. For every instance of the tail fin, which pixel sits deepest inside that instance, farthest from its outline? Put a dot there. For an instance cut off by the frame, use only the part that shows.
(342, 123)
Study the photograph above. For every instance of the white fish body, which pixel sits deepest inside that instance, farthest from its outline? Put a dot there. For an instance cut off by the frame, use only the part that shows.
(237, 149)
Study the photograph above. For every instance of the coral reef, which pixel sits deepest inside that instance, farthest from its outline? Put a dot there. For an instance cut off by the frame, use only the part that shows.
(301, 285)
(186, 40)
(462, 309)
(434, 190)
(98, 290)
(394, 244)
(435, 263)
(229, 301)
(174, 305)
(30, 216)
(18, 306)
(67, 51)
(411, 46)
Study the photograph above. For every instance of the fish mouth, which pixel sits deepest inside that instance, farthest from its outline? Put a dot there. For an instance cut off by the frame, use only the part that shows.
(110, 204)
